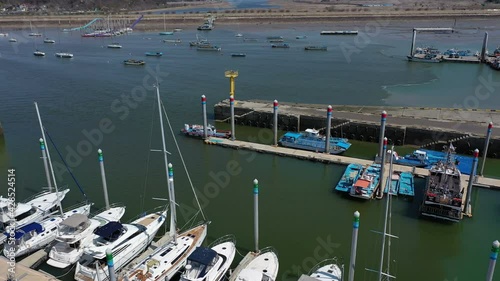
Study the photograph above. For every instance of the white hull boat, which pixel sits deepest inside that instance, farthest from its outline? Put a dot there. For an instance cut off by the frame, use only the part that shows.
(126, 241)
(210, 264)
(76, 233)
(34, 236)
(327, 270)
(263, 266)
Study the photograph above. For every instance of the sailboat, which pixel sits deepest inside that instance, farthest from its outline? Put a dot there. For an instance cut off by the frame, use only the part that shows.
(165, 28)
(37, 52)
(34, 33)
(211, 263)
(258, 265)
(169, 258)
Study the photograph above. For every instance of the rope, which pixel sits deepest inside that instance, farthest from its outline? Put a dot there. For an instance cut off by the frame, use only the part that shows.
(183, 163)
(70, 270)
(66, 165)
(149, 156)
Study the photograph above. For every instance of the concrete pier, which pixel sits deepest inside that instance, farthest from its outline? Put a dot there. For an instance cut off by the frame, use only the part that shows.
(429, 128)
(24, 273)
(35, 259)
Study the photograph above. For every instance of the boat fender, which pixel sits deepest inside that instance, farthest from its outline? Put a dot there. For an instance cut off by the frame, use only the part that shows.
(353, 136)
(399, 142)
(371, 138)
(186, 127)
(389, 141)
(361, 137)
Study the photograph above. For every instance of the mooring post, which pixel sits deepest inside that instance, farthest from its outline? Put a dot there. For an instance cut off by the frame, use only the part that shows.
(383, 119)
(412, 50)
(275, 123)
(256, 213)
(328, 128)
(103, 176)
(483, 49)
(486, 143)
(204, 109)
(493, 260)
(382, 168)
(468, 209)
(111, 266)
(45, 164)
(231, 103)
(354, 245)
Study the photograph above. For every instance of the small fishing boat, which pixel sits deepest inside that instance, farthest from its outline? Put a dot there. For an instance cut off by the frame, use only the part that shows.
(199, 43)
(13, 40)
(172, 41)
(205, 26)
(177, 29)
(393, 185)
(208, 47)
(48, 40)
(210, 263)
(4, 34)
(311, 140)
(406, 184)
(276, 41)
(154, 54)
(238, 55)
(282, 46)
(38, 53)
(64, 55)
(198, 131)
(315, 48)
(418, 158)
(238, 35)
(351, 175)
(115, 46)
(35, 34)
(367, 183)
(274, 37)
(133, 62)
(167, 33)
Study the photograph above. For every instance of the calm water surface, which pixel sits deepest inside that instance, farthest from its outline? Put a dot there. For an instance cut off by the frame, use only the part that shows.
(298, 209)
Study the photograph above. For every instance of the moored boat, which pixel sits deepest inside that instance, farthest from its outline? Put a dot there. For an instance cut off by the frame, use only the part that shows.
(198, 131)
(316, 48)
(283, 46)
(115, 46)
(276, 40)
(406, 184)
(417, 159)
(238, 55)
(172, 41)
(166, 33)
(48, 40)
(205, 26)
(38, 53)
(64, 55)
(311, 140)
(443, 195)
(340, 32)
(350, 176)
(35, 34)
(327, 270)
(393, 184)
(134, 62)
(208, 47)
(154, 54)
(367, 183)
(301, 37)
(12, 40)
(4, 34)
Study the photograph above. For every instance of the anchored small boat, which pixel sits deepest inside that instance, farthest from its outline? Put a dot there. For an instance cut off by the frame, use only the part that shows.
(208, 47)
(315, 48)
(35, 34)
(134, 62)
(172, 41)
(282, 46)
(311, 140)
(238, 35)
(12, 40)
(351, 175)
(154, 54)
(367, 183)
(167, 33)
(177, 29)
(64, 55)
(340, 32)
(406, 184)
(48, 40)
(39, 54)
(4, 34)
(276, 40)
(393, 185)
(115, 46)
(326, 270)
(238, 55)
(301, 37)
(198, 131)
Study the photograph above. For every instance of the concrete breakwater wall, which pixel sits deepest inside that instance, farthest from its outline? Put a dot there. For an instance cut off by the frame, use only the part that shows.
(363, 127)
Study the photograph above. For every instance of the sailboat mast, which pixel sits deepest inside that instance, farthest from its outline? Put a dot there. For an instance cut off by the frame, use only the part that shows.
(169, 183)
(389, 197)
(50, 161)
(256, 213)
(173, 214)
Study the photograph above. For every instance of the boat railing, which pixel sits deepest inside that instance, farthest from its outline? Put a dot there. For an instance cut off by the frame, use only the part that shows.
(145, 213)
(450, 213)
(77, 205)
(268, 249)
(337, 261)
(223, 239)
(113, 205)
(35, 196)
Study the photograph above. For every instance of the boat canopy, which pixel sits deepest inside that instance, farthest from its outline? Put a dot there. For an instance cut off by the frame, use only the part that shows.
(292, 135)
(343, 144)
(26, 229)
(203, 255)
(75, 220)
(109, 231)
(362, 183)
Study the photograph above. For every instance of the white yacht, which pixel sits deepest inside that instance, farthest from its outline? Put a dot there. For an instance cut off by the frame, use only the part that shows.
(115, 46)
(126, 242)
(34, 209)
(210, 264)
(327, 270)
(37, 235)
(76, 232)
(262, 267)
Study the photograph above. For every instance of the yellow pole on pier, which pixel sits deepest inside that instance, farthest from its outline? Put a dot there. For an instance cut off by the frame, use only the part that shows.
(231, 74)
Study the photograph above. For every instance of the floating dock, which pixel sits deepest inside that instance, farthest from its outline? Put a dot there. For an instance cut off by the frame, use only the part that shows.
(35, 259)
(23, 273)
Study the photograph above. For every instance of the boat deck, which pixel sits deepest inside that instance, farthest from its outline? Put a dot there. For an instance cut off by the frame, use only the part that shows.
(406, 186)
(343, 160)
(34, 259)
(148, 219)
(24, 273)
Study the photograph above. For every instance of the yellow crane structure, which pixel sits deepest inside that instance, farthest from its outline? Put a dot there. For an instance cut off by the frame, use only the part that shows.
(231, 74)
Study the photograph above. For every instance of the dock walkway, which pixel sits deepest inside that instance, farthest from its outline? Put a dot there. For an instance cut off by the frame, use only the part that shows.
(342, 160)
(24, 273)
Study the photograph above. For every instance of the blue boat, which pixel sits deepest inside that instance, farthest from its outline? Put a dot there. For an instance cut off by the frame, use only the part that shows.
(418, 159)
(424, 158)
(367, 183)
(406, 185)
(154, 54)
(351, 175)
(393, 184)
(311, 140)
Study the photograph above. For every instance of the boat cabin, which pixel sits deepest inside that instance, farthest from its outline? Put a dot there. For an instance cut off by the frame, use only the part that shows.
(109, 232)
(199, 263)
(22, 211)
(26, 232)
(75, 224)
(312, 133)
(419, 155)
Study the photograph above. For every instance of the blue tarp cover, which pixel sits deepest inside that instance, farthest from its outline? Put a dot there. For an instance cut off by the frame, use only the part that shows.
(27, 228)
(111, 230)
(203, 255)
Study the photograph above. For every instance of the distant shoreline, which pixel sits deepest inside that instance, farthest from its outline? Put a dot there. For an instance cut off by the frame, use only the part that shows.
(155, 21)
